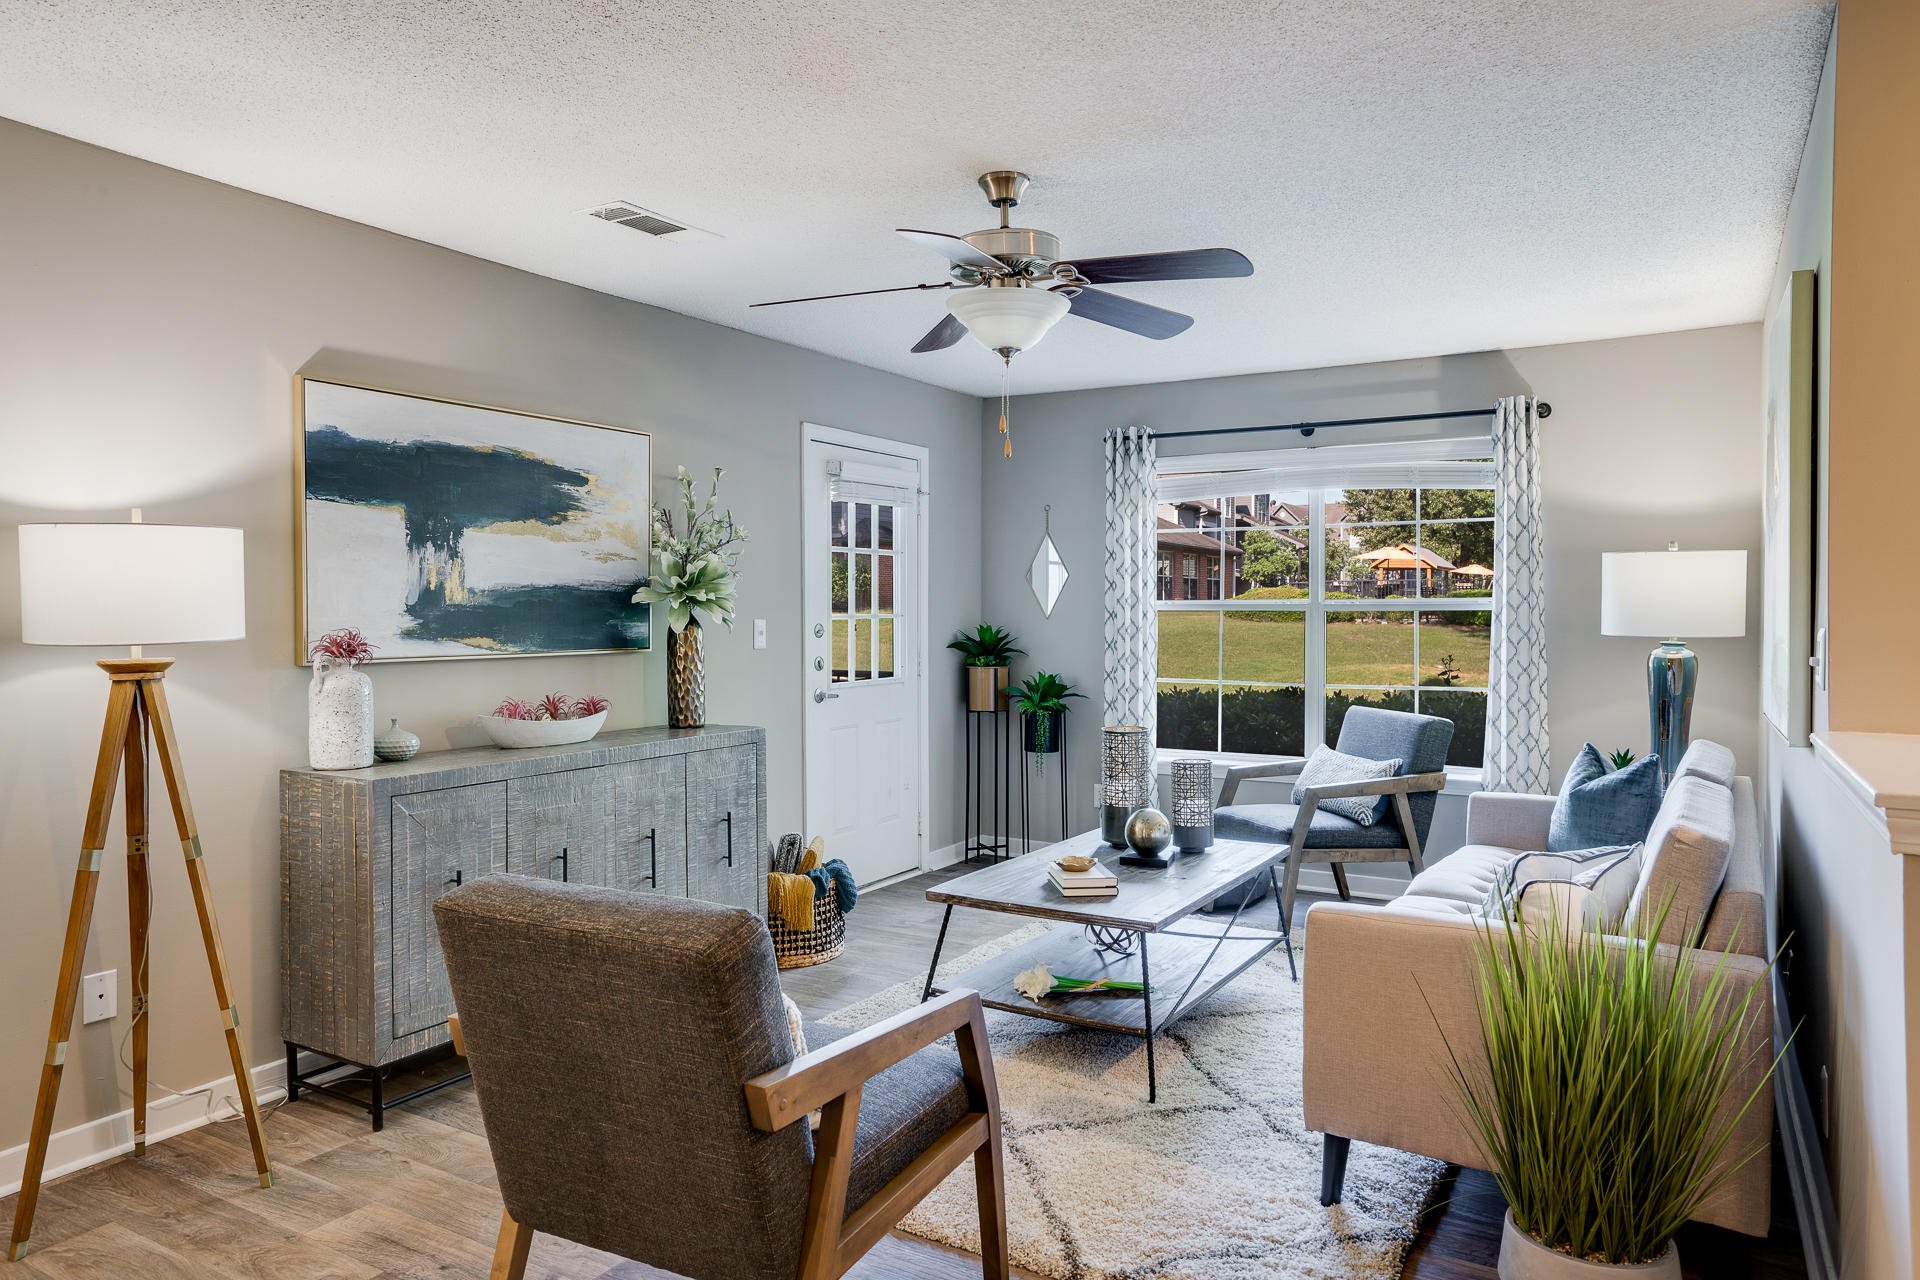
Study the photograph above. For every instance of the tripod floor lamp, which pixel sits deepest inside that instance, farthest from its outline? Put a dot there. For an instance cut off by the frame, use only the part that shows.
(131, 584)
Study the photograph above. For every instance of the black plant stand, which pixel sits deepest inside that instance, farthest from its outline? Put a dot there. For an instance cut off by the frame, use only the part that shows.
(989, 760)
(1026, 844)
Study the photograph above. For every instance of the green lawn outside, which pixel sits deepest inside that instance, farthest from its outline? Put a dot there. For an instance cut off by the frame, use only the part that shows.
(1271, 649)
(840, 641)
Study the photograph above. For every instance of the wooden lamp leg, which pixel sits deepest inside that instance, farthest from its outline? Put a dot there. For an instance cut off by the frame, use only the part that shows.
(168, 750)
(139, 905)
(86, 883)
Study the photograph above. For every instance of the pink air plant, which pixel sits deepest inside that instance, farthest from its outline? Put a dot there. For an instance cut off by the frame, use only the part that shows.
(345, 645)
(591, 704)
(555, 706)
(515, 709)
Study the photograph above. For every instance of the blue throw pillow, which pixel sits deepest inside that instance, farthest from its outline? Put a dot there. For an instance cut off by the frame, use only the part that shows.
(1600, 807)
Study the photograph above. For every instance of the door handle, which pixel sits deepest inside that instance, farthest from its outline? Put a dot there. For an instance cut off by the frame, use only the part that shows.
(821, 695)
(729, 821)
(455, 882)
(563, 864)
(653, 858)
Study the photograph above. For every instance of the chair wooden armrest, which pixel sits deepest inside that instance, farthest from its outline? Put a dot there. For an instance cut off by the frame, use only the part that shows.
(1230, 787)
(832, 1078)
(1406, 784)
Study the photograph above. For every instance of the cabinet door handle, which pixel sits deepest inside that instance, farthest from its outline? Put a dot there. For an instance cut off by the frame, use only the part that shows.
(563, 864)
(653, 858)
(455, 882)
(729, 821)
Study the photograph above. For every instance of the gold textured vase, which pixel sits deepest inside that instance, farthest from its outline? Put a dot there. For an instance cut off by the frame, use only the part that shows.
(686, 678)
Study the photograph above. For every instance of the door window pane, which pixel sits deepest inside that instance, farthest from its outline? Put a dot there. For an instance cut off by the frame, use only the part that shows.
(862, 582)
(883, 632)
(883, 515)
(1264, 646)
(837, 523)
(838, 582)
(1188, 717)
(1263, 721)
(1369, 648)
(1189, 645)
(840, 668)
(860, 649)
(863, 524)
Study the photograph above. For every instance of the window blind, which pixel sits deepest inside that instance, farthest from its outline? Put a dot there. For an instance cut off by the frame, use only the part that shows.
(1462, 463)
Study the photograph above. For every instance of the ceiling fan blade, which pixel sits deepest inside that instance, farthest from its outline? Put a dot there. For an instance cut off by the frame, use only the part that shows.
(1124, 313)
(1191, 264)
(942, 335)
(858, 293)
(954, 249)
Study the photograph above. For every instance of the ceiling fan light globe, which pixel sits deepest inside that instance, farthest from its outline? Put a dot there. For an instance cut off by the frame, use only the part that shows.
(1011, 318)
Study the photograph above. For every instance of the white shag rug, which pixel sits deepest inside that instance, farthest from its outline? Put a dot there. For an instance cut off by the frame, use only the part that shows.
(1217, 1179)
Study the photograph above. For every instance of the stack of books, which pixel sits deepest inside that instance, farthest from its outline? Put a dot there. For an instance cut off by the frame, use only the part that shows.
(1095, 882)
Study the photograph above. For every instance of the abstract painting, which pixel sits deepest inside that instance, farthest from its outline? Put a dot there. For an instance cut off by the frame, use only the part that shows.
(1787, 512)
(446, 530)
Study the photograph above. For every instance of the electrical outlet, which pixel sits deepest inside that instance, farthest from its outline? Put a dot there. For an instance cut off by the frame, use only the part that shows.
(759, 633)
(102, 996)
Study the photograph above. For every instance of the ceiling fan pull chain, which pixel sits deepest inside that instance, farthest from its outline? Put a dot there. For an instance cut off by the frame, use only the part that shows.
(1006, 369)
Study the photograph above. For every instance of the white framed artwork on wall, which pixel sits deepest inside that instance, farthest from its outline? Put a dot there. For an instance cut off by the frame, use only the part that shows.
(1787, 512)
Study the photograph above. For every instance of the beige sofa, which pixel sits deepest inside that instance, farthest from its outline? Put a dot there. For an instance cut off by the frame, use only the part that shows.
(1383, 982)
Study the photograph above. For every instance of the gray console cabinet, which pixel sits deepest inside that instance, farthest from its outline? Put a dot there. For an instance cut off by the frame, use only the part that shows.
(365, 852)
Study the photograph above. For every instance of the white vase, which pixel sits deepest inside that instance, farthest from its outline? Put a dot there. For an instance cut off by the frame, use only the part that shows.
(339, 716)
(1524, 1258)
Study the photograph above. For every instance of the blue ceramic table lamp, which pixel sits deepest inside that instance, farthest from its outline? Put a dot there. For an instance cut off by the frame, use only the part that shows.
(1672, 593)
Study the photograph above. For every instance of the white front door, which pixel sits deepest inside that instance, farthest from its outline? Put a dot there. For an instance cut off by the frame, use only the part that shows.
(864, 610)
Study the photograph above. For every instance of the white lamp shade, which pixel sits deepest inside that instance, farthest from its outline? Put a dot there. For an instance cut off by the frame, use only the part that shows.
(128, 584)
(1014, 318)
(1677, 594)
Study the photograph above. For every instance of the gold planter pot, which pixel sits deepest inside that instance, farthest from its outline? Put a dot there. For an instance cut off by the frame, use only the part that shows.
(986, 688)
(686, 678)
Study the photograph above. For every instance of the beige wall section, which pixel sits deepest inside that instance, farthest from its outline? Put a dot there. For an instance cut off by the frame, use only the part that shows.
(152, 325)
(1841, 891)
(1875, 449)
(1651, 438)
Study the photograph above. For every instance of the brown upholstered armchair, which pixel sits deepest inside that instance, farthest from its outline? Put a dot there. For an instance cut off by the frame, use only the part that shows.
(635, 1070)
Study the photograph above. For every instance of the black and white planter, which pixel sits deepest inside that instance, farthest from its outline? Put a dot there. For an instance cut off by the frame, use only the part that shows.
(1524, 1258)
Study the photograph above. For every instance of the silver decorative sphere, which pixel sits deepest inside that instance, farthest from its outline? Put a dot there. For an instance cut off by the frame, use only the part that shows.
(1149, 832)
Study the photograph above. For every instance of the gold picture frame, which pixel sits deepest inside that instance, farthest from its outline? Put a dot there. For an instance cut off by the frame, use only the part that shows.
(607, 527)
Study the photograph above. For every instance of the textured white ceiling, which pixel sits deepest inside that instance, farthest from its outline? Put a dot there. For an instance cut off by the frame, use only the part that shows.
(1410, 177)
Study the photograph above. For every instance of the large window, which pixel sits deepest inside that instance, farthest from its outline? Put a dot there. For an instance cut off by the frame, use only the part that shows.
(1324, 599)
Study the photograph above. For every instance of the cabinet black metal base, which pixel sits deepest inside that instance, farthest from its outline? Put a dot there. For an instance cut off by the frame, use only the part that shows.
(376, 1103)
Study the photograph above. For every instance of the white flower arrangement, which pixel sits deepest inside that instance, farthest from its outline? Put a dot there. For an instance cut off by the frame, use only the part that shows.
(695, 574)
(1035, 982)
(1040, 981)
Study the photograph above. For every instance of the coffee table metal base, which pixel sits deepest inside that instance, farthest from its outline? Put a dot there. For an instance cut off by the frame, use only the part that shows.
(1196, 958)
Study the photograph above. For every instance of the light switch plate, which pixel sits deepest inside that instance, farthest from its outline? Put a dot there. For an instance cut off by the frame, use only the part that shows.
(101, 998)
(759, 633)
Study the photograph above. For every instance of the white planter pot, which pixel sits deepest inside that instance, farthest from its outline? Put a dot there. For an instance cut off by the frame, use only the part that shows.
(339, 716)
(540, 733)
(1524, 1258)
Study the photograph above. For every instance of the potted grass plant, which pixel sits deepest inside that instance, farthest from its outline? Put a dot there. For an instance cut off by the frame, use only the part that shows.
(696, 574)
(1600, 1109)
(986, 655)
(1041, 699)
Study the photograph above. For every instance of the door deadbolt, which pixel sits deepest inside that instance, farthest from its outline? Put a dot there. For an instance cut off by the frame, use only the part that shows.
(819, 629)
(819, 664)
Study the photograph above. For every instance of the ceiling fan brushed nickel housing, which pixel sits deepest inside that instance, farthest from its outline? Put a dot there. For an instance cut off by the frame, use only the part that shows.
(1018, 247)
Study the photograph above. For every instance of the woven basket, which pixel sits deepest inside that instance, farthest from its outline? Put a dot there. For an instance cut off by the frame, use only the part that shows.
(798, 948)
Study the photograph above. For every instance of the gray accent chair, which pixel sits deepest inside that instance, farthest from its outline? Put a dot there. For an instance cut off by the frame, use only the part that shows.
(636, 1074)
(1418, 742)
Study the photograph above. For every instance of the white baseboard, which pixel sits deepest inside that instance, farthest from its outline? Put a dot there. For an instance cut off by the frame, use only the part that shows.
(100, 1140)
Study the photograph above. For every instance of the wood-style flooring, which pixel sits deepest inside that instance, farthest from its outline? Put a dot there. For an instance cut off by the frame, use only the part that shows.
(419, 1199)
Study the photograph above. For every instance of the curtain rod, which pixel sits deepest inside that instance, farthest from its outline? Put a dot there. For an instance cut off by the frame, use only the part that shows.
(1543, 409)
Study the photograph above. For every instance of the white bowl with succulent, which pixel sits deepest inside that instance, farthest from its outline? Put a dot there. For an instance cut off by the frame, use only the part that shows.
(554, 721)
(695, 575)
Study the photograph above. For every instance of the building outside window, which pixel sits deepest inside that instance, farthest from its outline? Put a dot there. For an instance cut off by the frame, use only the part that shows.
(1321, 600)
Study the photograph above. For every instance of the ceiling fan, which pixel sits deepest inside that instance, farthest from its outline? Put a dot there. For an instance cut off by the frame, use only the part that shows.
(1010, 285)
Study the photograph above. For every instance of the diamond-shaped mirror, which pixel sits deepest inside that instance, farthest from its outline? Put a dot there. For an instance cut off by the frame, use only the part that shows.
(1049, 572)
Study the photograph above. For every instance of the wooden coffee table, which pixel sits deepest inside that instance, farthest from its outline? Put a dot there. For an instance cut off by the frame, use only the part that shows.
(1101, 937)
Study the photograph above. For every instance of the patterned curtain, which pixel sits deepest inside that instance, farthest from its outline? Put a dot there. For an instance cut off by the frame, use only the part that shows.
(1517, 754)
(1133, 625)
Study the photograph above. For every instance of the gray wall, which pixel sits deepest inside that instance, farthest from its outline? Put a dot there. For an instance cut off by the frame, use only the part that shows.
(1651, 438)
(153, 322)
(1839, 892)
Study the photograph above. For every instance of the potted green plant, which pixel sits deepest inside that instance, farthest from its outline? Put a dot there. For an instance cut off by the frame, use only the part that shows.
(1041, 699)
(695, 575)
(1600, 1106)
(986, 654)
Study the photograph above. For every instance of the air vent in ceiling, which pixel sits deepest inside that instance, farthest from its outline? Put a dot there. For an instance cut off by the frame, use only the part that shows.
(625, 214)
